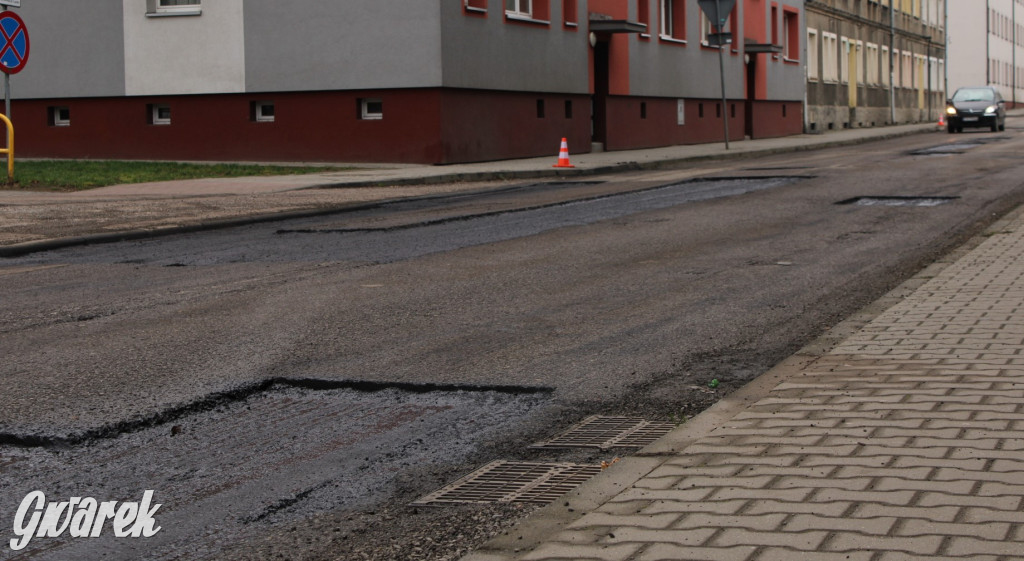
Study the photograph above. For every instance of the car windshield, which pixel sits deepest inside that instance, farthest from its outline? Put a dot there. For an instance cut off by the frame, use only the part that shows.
(979, 94)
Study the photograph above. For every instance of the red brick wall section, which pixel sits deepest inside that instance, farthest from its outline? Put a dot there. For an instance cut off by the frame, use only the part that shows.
(319, 126)
(773, 119)
(491, 125)
(627, 129)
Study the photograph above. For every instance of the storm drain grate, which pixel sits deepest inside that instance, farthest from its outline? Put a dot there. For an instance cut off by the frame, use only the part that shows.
(897, 201)
(512, 482)
(609, 432)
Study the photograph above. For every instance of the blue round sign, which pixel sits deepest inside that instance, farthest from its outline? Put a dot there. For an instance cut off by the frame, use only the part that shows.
(14, 53)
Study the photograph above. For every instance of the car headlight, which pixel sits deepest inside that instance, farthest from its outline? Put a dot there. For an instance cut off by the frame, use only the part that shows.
(951, 110)
(991, 110)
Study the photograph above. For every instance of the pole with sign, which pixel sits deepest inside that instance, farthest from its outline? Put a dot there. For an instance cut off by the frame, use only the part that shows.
(15, 49)
(717, 11)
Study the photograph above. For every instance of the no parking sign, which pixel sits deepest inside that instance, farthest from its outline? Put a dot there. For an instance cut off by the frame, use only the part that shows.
(14, 38)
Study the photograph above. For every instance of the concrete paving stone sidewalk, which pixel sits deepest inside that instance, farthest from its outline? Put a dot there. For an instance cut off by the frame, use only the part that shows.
(904, 442)
(32, 221)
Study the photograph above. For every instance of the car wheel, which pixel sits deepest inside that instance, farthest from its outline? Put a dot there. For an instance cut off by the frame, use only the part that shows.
(1002, 127)
(951, 129)
(994, 127)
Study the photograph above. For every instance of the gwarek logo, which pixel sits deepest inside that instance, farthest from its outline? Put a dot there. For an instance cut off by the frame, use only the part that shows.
(82, 518)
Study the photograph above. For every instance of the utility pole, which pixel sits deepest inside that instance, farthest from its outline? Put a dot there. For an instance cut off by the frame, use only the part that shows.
(721, 69)
(7, 89)
(892, 61)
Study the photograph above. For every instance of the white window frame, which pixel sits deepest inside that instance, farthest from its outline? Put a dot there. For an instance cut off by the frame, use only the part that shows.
(521, 8)
(155, 117)
(872, 64)
(366, 114)
(55, 116)
(830, 57)
(158, 8)
(813, 57)
(790, 19)
(259, 113)
(666, 25)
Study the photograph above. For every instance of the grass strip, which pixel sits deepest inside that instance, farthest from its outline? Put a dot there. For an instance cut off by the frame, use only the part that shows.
(79, 175)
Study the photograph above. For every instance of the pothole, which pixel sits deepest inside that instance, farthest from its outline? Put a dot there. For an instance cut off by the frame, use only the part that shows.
(274, 457)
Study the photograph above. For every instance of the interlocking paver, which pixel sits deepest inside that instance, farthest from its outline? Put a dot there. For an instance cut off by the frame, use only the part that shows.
(880, 526)
(905, 442)
(990, 531)
(673, 552)
(919, 545)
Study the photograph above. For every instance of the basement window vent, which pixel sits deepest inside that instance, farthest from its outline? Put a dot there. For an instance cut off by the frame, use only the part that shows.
(371, 109)
(262, 111)
(159, 114)
(60, 117)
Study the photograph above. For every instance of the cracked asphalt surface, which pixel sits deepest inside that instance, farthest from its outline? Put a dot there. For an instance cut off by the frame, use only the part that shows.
(627, 312)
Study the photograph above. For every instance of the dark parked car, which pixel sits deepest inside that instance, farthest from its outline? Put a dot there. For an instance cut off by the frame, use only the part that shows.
(976, 107)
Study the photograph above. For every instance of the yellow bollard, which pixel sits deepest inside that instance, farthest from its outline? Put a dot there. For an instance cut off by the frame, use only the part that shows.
(10, 147)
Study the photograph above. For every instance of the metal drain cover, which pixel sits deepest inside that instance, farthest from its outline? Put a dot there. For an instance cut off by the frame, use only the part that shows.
(609, 432)
(897, 201)
(512, 482)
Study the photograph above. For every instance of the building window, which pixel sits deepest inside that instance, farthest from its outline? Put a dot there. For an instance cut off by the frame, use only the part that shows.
(262, 111)
(872, 65)
(159, 114)
(829, 57)
(790, 35)
(673, 20)
(60, 117)
(707, 28)
(570, 13)
(812, 55)
(775, 24)
(476, 6)
(174, 7)
(371, 109)
(884, 67)
(533, 11)
(643, 109)
(844, 61)
(568, 109)
(540, 108)
(643, 15)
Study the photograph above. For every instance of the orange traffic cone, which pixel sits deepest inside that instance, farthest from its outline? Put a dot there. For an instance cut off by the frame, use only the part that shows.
(563, 156)
(942, 121)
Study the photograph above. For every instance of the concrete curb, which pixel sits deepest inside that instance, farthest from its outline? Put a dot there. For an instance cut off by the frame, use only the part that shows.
(622, 167)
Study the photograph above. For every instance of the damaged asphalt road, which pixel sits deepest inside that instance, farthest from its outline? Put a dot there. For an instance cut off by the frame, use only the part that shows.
(483, 329)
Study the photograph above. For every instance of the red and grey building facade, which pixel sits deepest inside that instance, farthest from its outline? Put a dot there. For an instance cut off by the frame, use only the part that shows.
(426, 81)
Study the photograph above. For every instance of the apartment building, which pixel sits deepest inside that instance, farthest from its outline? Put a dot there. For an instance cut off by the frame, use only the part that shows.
(986, 46)
(874, 62)
(429, 81)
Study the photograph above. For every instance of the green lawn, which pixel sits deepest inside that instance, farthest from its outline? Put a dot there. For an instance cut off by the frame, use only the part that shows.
(77, 175)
